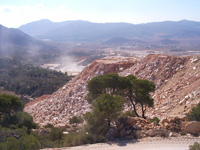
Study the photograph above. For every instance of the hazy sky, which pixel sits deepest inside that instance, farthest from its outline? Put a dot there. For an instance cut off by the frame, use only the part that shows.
(14, 13)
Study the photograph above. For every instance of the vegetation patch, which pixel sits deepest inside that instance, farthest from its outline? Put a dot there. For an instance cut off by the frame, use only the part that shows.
(194, 114)
(26, 79)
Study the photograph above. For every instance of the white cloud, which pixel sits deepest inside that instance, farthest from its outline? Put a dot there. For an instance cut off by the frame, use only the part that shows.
(14, 16)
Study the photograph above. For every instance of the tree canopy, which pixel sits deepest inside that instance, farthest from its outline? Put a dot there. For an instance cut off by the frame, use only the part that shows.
(109, 83)
(136, 91)
(108, 106)
(105, 111)
(9, 104)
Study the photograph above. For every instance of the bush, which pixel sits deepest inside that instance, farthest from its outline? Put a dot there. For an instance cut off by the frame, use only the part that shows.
(9, 105)
(11, 144)
(7, 132)
(24, 119)
(27, 142)
(194, 115)
(49, 126)
(195, 146)
(53, 137)
(155, 119)
(95, 126)
(82, 137)
(76, 119)
(56, 134)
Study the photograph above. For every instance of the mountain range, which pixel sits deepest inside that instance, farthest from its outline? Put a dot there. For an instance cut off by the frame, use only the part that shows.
(88, 31)
(14, 42)
(27, 39)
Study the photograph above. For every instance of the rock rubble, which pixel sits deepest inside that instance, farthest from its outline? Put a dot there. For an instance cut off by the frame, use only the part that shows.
(177, 80)
(70, 99)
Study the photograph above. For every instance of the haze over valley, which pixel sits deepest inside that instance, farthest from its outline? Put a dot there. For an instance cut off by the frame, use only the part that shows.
(48, 43)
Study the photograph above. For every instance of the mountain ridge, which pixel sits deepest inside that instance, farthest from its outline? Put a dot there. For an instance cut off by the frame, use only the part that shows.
(79, 30)
(14, 42)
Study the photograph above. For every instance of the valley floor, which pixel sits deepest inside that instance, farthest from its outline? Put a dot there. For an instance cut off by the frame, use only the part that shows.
(172, 143)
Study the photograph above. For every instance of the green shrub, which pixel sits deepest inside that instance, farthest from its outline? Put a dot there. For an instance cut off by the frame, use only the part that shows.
(27, 142)
(155, 119)
(9, 105)
(24, 119)
(195, 146)
(76, 119)
(56, 134)
(7, 132)
(82, 137)
(194, 115)
(11, 144)
(45, 140)
(49, 126)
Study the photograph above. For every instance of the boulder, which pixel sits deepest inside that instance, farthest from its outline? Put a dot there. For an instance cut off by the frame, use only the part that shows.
(174, 123)
(157, 132)
(163, 121)
(137, 123)
(192, 127)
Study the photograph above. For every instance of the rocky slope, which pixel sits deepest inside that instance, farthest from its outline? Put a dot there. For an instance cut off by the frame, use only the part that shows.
(71, 100)
(177, 80)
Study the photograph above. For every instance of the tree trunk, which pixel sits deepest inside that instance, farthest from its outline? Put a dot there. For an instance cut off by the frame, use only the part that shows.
(109, 123)
(143, 111)
(134, 108)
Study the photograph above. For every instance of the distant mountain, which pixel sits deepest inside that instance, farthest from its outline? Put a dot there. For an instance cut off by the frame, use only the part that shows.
(40, 27)
(88, 31)
(14, 42)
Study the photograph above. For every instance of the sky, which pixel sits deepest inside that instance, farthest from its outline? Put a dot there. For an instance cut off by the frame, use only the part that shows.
(14, 13)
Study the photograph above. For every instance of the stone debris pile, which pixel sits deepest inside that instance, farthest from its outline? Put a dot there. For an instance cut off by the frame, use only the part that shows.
(177, 82)
(134, 127)
(70, 99)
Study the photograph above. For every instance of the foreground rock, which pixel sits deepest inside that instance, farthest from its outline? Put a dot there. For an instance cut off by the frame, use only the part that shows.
(137, 128)
(193, 128)
(177, 80)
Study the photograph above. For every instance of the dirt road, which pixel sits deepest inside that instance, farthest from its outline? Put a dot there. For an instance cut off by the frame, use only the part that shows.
(173, 143)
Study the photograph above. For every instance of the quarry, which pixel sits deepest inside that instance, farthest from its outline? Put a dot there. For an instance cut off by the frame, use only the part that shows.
(177, 82)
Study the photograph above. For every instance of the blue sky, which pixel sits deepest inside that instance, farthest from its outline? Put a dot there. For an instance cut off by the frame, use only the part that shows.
(14, 13)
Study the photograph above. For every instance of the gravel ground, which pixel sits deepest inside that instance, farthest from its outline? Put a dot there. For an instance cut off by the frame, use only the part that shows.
(173, 143)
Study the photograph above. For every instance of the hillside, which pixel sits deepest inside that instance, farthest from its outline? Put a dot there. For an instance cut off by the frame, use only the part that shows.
(88, 31)
(70, 99)
(14, 42)
(27, 79)
(177, 80)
